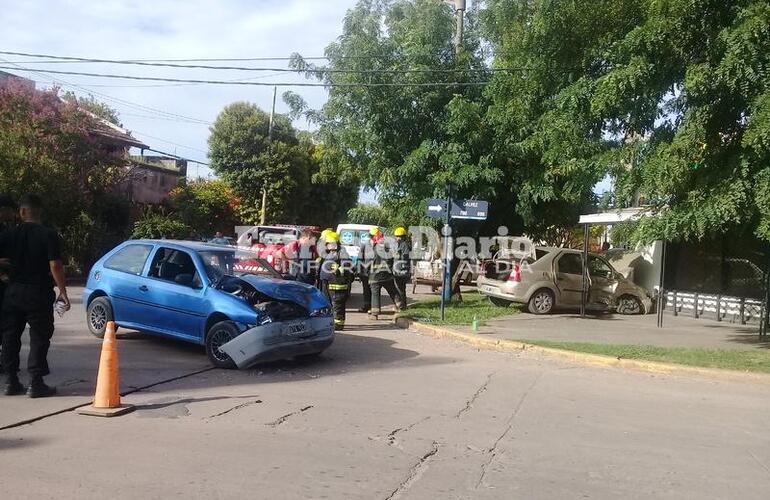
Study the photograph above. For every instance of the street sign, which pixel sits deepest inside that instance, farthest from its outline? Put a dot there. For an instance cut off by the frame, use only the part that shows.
(469, 209)
(436, 208)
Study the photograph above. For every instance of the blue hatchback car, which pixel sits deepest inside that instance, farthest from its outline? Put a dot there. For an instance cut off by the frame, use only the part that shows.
(194, 292)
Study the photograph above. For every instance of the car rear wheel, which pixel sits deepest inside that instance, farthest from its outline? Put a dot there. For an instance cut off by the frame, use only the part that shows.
(499, 302)
(541, 302)
(217, 336)
(99, 312)
(628, 304)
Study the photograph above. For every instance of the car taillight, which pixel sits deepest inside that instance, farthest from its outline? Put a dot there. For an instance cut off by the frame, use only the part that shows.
(515, 273)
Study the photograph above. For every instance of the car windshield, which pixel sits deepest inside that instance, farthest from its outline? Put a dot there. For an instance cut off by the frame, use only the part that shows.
(233, 262)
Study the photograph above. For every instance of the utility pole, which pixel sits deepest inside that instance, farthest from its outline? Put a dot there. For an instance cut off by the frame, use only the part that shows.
(270, 150)
(459, 6)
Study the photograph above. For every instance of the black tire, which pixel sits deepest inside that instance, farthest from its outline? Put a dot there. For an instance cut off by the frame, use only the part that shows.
(628, 304)
(217, 336)
(541, 302)
(497, 301)
(99, 312)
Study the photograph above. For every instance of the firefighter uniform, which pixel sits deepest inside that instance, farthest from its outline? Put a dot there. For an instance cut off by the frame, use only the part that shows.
(381, 275)
(402, 268)
(335, 274)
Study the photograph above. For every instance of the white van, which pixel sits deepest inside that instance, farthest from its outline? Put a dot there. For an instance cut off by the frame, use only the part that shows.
(353, 235)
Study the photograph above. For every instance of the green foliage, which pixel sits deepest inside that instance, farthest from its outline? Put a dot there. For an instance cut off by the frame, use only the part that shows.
(367, 213)
(47, 147)
(670, 97)
(206, 206)
(159, 225)
(92, 105)
(288, 169)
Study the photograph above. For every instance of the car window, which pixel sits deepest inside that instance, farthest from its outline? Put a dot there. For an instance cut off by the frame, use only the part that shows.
(348, 237)
(129, 259)
(175, 266)
(598, 268)
(571, 263)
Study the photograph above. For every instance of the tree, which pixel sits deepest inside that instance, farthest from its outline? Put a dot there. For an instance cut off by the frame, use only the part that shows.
(47, 147)
(367, 213)
(92, 105)
(289, 169)
(406, 141)
(206, 206)
(670, 97)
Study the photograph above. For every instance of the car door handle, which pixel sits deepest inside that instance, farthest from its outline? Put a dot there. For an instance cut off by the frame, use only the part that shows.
(143, 288)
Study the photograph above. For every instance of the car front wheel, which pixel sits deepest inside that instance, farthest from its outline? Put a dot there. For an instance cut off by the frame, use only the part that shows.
(98, 314)
(541, 302)
(217, 336)
(628, 304)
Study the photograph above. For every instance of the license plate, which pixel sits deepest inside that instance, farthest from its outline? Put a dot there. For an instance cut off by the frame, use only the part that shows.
(490, 289)
(299, 328)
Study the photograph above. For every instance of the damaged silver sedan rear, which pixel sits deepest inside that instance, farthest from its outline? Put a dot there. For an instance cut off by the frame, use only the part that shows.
(200, 293)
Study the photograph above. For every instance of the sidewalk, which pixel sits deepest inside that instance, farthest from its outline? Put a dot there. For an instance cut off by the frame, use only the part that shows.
(677, 331)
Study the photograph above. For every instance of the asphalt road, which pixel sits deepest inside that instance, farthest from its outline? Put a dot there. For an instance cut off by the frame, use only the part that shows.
(383, 414)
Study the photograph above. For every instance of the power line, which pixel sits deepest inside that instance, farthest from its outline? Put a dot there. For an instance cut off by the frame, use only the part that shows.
(177, 156)
(169, 142)
(247, 68)
(250, 83)
(123, 102)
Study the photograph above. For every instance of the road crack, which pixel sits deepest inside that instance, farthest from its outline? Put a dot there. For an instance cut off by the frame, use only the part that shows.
(493, 451)
(280, 420)
(391, 437)
(469, 404)
(415, 472)
(234, 408)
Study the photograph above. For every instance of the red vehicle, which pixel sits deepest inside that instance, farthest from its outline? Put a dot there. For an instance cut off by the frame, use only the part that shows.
(268, 241)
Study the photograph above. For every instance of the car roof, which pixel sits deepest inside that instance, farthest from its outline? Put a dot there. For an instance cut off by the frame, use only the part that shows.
(356, 226)
(566, 250)
(188, 245)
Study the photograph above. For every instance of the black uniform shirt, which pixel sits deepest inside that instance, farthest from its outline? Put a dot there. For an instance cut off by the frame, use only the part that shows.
(31, 247)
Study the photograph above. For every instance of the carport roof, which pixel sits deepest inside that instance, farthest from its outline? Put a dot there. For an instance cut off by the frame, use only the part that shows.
(615, 216)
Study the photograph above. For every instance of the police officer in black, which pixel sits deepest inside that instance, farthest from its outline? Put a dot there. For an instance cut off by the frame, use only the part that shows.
(336, 270)
(36, 265)
(8, 210)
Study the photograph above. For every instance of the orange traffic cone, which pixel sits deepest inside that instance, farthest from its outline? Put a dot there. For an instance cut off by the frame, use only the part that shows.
(107, 398)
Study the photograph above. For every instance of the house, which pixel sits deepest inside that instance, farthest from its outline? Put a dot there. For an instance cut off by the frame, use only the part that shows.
(6, 78)
(152, 178)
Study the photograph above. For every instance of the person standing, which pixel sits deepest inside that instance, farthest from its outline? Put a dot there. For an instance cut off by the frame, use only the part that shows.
(402, 265)
(8, 211)
(36, 265)
(381, 275)
(335, 273)
(364, 266)
(300, 255)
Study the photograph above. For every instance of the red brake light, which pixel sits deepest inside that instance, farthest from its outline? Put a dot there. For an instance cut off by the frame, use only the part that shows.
(515, 273)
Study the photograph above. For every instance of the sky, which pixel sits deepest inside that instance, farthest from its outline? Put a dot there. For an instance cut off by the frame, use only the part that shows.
(170, 29)
(174, 118)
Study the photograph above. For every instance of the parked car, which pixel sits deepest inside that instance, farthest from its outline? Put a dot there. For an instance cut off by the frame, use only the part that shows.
(553, 278)
(190, 291)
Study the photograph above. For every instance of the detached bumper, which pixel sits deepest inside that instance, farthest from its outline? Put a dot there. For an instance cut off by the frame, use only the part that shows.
(280, 340)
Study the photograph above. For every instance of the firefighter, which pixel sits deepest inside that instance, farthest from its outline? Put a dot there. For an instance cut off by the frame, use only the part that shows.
(381, 275)
(363, 267)
(335, 272)
(320, 284)
(402, 265)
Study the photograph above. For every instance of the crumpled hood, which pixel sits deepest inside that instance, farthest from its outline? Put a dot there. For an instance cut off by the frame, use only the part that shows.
(304, 295)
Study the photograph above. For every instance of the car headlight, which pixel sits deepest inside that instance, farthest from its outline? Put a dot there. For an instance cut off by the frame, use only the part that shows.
(324, 311)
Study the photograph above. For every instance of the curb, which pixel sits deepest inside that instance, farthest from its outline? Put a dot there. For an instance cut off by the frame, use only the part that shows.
(514, 346)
